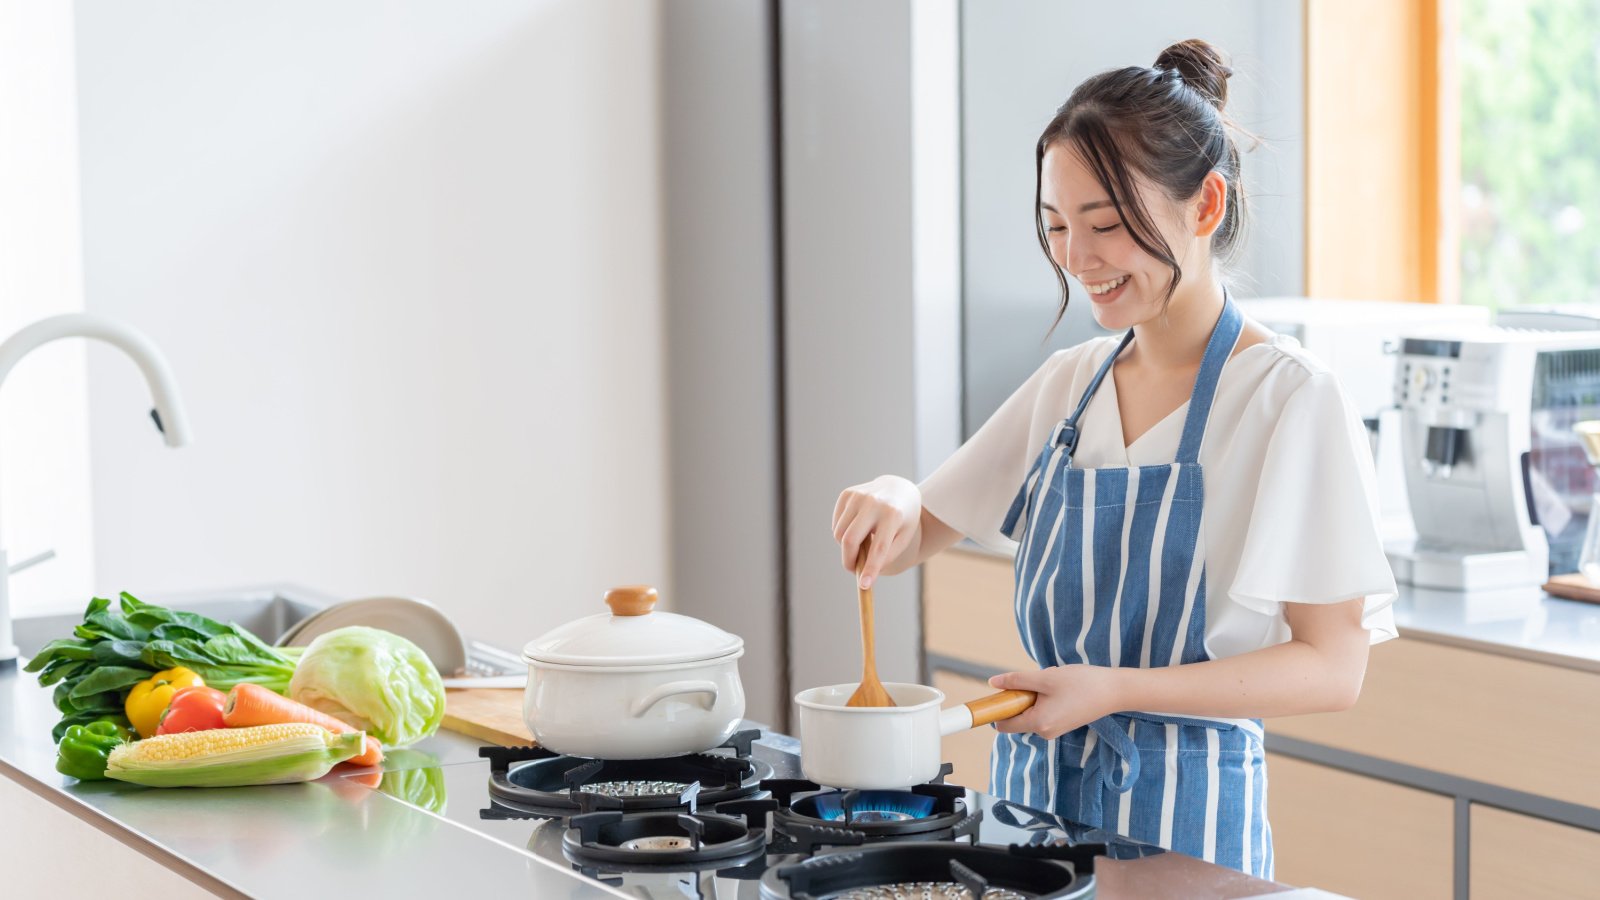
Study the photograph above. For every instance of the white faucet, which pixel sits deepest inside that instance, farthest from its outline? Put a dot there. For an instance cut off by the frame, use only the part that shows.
(168, 411)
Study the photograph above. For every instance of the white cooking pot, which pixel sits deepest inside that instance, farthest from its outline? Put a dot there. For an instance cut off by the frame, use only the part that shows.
(888, 747)
(633, 683)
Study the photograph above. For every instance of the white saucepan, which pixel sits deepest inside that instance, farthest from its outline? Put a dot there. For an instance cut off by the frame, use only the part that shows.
(888, 747)
(634, 683)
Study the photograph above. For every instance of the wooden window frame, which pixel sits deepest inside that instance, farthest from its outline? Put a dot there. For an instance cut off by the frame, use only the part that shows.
(1382, 161)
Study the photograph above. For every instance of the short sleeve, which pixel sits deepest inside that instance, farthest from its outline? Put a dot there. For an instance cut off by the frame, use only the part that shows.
(1314, 531)
(972, 490)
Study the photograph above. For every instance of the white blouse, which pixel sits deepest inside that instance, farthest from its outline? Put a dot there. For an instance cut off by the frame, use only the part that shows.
(1291, 511)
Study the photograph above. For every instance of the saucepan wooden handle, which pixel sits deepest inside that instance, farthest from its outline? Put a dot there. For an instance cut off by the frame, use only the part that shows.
(999, 706)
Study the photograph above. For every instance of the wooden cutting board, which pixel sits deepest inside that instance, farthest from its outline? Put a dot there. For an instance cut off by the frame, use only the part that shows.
(1573, 587)
(488, 714)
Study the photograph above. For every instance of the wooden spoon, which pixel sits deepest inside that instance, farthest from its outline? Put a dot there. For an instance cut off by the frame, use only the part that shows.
(871, 692)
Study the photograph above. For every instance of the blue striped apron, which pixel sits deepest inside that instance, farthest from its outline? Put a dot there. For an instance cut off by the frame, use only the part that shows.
(1110, 571)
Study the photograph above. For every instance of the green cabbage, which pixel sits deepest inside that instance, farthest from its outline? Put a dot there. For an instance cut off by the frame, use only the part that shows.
(378, 682)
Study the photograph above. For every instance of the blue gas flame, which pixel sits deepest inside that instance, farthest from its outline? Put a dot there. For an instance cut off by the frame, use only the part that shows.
(830, 806)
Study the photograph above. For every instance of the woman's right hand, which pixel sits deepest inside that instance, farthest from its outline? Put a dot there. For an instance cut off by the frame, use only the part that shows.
(889, 508)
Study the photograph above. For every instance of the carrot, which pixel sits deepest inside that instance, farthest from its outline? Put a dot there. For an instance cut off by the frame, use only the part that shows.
(251, 704)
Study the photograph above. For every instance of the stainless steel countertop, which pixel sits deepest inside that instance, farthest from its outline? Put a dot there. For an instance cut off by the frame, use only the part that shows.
(341, 834)
(1527, 624)
(344, 832)
(335, 833)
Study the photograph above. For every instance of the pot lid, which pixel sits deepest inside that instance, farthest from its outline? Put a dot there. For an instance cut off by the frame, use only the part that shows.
(632, 634)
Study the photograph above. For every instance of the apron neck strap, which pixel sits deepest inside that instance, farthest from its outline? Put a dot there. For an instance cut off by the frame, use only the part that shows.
(1223, 338)
(1067, 432)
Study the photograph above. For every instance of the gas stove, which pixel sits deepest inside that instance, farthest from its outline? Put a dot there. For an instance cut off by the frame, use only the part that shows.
(739, 822)
(531, 782)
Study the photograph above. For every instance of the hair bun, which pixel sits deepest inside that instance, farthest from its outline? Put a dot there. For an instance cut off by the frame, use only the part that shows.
(1201, 67)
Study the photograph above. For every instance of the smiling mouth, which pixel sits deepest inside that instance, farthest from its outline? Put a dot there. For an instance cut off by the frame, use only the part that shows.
(1105, 287)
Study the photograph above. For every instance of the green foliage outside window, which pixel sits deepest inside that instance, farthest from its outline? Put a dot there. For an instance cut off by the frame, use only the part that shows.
(1530, 151)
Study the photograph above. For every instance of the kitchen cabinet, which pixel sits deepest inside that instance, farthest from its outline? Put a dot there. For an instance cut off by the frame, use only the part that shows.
(44, 850)
(967, 612)
(967, 623)
(1356, 835)
(1469, 714)
(1518, 856)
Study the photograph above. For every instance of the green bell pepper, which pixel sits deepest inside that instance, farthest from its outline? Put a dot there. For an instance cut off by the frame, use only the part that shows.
(84, 749)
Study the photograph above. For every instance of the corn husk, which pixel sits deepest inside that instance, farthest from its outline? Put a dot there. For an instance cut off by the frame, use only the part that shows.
(230, 757)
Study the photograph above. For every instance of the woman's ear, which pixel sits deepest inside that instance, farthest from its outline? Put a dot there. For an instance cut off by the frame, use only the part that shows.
(1211, 205)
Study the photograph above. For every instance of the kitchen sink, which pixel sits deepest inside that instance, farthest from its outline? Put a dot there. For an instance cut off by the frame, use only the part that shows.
(265, 613)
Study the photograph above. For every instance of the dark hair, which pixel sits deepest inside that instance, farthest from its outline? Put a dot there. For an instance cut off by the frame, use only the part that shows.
(1164, 123)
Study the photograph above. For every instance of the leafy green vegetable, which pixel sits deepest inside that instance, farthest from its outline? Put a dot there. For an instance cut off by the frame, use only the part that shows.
(69, 649)
(118, 652)
(378, 682)
(107, 678)
(114, 649)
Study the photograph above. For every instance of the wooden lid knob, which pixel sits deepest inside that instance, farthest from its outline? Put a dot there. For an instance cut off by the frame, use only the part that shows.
(632, 600)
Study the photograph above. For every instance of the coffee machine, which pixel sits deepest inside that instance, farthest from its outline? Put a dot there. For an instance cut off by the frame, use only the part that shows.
(1358, 340)
(1497, 481)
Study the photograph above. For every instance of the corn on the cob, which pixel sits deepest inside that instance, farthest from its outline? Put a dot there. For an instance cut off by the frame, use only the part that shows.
(225, 757)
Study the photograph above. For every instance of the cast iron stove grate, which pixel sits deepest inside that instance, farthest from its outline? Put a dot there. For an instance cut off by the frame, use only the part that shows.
(940, 869)
(532, 781)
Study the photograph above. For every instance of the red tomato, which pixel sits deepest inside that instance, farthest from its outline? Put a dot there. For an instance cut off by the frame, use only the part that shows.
(193, 709)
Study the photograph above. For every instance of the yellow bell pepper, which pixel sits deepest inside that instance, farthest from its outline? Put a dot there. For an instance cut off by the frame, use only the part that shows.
(149, 698)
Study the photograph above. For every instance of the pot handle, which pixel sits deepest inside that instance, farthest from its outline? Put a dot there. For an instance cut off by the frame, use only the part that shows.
(985, 710)
(673, 689)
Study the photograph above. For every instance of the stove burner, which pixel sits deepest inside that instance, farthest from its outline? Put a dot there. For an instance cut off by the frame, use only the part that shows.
(870, 806)
(635, 788)
(923, 890)
(879, 815)
(668, 838)
(809, 817)
(663, 842)
(529, 782)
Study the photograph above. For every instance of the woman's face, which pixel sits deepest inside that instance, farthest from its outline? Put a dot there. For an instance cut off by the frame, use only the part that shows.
(1090, 242)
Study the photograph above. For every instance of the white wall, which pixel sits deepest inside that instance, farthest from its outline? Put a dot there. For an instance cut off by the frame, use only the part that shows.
(405, 261)
(44, 424)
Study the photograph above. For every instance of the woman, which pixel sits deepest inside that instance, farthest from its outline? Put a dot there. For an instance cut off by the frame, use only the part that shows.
(1191, 502)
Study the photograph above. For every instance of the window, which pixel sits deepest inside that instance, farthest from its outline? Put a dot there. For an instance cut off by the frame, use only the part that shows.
(1529, 202)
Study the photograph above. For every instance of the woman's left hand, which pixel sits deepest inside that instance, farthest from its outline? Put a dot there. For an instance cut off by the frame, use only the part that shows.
(1069, 697)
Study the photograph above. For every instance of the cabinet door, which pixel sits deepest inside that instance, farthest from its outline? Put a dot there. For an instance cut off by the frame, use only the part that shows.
(1411, 712)
(1356, 835)
(46, 851)
(1526, 858)
(968, 751)
(966, 610)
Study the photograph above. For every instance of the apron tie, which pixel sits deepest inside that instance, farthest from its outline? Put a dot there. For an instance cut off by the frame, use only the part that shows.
(1112, 750)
